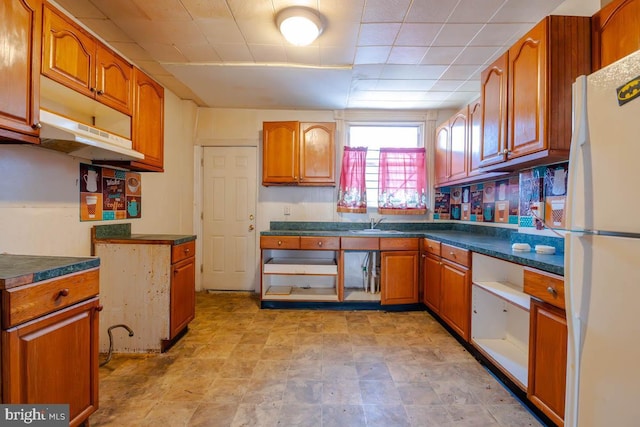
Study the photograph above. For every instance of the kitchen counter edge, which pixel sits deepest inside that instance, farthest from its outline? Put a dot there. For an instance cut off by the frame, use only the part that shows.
(19, 270)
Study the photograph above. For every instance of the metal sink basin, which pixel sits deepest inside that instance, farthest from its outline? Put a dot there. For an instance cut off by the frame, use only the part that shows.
(374, 231)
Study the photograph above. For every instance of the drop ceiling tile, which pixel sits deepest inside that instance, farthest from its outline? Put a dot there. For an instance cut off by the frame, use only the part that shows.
(231, 52)
(152, 68)
(207, 8)
(440, 55)
(106, 30)
(163, 10)
(199, 52)
(268, 53)
(462, 97)
(340, 10)
(456, 34)
(163, 52)
(220, 30)
(406, 55)
(378, 34)
(478, 11)
(372, 54)
(459, 72)
(498, 34)
(385, 10)
(417, 34)
(340, 33)
(470, 86)
(120, 9)
(81, 9)
(428, 72)
(143, 31)
(248, 9)
(337, 55)
(447, 85)
(525, 11)
(260, 31)
(360, 85)
(132, 51)
(405, 85)
(430, 11)
(181, 33)
(476, 55)
(367, 71)
(307, 55)
(437, 96)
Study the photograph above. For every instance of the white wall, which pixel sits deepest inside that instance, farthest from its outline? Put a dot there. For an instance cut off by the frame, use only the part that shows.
(39, 199)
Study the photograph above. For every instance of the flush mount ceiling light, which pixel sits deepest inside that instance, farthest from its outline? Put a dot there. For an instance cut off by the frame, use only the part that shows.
(299, 25)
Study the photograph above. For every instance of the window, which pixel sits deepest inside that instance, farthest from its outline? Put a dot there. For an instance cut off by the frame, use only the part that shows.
(375, 136)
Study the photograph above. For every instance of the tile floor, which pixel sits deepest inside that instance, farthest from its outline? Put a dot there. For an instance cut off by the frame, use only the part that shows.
(243, 366)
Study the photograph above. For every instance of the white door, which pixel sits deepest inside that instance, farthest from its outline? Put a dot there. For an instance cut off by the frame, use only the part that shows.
(229, 237)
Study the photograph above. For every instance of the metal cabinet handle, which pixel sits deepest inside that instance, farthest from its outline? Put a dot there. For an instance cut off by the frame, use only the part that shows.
(552, 291)
(100, 307)
(92, 89)
(452, 254)
(100, 92)
(279, 242)
(63, 292)
(319, 243)
(36, 126)
(187, 250)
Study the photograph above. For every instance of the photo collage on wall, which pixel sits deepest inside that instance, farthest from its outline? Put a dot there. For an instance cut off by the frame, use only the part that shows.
(109, 194)
(526, 199)
(492, 201)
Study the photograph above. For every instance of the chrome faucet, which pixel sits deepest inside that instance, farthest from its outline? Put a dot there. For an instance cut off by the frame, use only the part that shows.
(375, 223)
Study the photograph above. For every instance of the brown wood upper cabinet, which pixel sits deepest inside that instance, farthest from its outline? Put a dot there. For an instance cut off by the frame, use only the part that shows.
(451, 148)
(540, 69)
(295, 153)
(20, 87)
(147, 123)
(616, 32)
(74, 58)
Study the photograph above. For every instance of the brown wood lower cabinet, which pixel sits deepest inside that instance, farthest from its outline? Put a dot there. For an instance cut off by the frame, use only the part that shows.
(548, 359)
(53, 358)
(447, 284)
(399, 281)
(183, 295)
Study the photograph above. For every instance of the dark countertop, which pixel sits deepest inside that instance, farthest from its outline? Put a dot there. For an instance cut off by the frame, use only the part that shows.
(153, 239)
(17, 270)
(121, 233)
(491, 241)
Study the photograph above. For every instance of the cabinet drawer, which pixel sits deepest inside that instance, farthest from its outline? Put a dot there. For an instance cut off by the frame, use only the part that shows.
(279, 242)
(24, 303)
(457, 255)
(330, 243)
(183, 251)
(544, 286)
(431, 246)
(360, 243)
(399, 244)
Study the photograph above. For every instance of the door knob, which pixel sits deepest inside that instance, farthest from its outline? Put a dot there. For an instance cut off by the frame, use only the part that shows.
(251, 217)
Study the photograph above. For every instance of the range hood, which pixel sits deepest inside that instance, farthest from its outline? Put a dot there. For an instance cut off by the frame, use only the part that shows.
(77, 139)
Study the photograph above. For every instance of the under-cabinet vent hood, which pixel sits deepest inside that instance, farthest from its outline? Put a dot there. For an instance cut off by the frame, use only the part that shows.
(80, 140)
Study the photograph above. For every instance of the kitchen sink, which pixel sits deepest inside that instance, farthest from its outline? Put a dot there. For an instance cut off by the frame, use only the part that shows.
(374, 231)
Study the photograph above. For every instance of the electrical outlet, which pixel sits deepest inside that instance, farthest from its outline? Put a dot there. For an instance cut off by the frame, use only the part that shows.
(287, 210)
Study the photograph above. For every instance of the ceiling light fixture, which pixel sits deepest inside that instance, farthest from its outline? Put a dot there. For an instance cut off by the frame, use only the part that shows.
(299, 25)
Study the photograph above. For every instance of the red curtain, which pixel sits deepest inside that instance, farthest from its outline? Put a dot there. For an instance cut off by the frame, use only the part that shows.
(352, 194)
(402, 181)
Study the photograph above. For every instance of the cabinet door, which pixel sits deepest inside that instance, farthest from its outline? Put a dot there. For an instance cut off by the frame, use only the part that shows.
(280, 153)
(68, 53)
(616, 32)
(493, 88)
(20, 70)
(183, 295)
(432, 267)
(147, 123)
(54, 359)
(317, 154)
(442, 154)
(548, 359)
(113, 80)
(399, 277)
(458, 146)
(527, 101)
(455, 308)
(474, 137)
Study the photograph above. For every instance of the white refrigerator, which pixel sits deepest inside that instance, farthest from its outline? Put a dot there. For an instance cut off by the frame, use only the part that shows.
(602, 249)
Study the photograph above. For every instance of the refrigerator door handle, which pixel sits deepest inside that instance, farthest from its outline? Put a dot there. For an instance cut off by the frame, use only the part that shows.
(579, 138)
